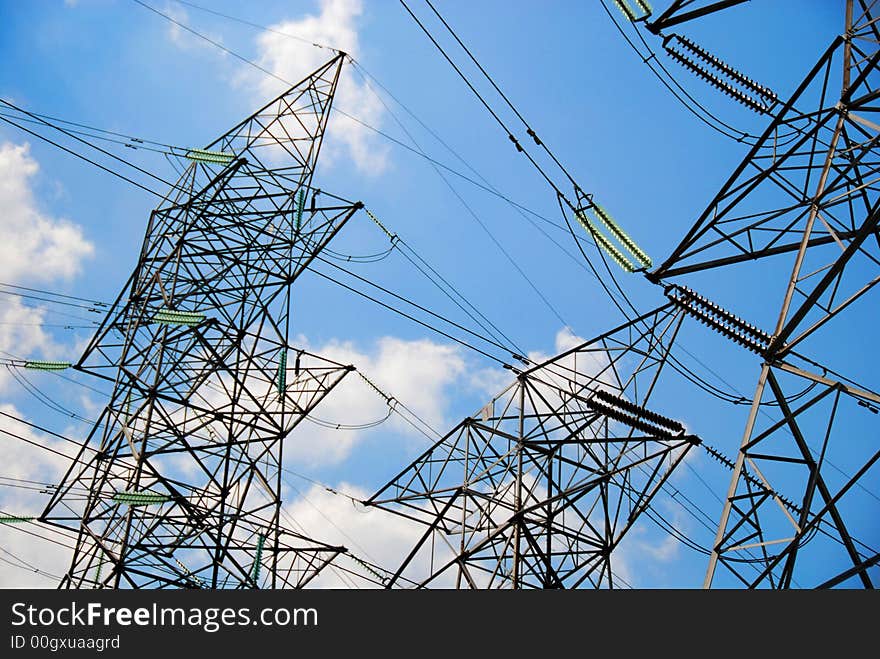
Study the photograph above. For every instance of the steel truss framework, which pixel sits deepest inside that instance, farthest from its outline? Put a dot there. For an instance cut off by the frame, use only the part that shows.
(789, 451)
(540, 489)
(179, 482)
(808, 189)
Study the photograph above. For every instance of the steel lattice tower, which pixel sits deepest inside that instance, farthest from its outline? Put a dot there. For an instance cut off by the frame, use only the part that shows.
(179, 482)
(808, 191)
(539, 490)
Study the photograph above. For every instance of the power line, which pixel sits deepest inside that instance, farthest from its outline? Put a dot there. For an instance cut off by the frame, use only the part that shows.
(128, 138)
(27, 296)
(560, 195)
(482, 225)
(62, 295)
(406, 300)
(79, 139)
(485, 104)
(531, 133)
(524, 212)
(456, 292)
(406, 315)
(34, 391)
(357, 120)
(92, 322)
(82, 157)
(129, 144)
(46, 431)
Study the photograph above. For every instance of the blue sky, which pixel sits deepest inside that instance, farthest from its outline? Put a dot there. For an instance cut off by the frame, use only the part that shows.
(115, 65)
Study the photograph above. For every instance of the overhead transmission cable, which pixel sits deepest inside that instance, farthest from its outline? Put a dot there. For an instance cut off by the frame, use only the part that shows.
(525, 213)
(442, 284)
(595, 232)
(10, 300)
(600, 240)
(34, 391)
(138, 142)
(64, 131)
(258, 26)
(405, 314)
(82, 157)
(90, 302)
(128, 143)
(42, 429)
(686, 99)
(529, 131)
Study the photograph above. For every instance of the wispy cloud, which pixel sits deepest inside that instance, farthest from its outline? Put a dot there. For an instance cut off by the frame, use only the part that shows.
(184, 39)
(371, 534)
(36, 246)
(291, 59)
(420, 373)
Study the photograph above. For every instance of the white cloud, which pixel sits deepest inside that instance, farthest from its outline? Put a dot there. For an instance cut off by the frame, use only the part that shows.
(36, 246)
(292, 60)
(22, 334)
(371, 534)
(420, 373)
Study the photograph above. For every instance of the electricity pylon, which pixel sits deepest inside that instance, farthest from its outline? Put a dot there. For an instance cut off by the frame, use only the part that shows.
(179, 483)
(807, 191)
(540, 488)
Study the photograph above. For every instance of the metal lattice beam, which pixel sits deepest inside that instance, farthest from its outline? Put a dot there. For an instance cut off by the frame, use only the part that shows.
(539, 490)
(809, 190)
(184, 489)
